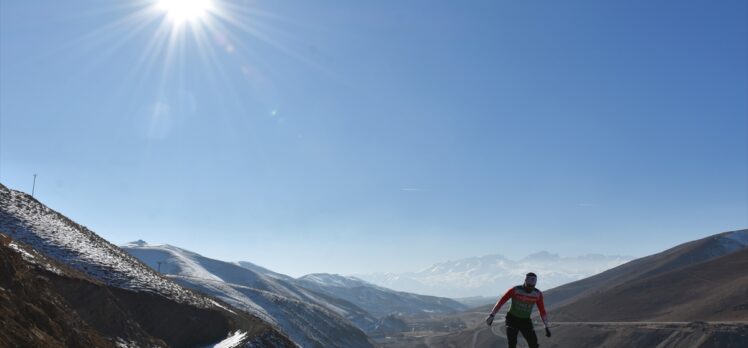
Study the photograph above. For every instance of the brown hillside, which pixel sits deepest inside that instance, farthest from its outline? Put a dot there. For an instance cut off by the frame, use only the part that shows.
(716, 290)
(680, 256)
(32, 314)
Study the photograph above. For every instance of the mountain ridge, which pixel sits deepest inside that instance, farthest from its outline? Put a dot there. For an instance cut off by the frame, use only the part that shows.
(310, 319)
(378, 300)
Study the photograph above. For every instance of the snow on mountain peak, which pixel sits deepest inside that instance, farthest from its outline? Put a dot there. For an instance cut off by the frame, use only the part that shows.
(487, 275)
(334, 280)
(542, 255)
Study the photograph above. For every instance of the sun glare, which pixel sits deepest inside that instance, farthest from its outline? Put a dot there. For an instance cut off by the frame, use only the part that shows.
(172, 30)
(181, 11)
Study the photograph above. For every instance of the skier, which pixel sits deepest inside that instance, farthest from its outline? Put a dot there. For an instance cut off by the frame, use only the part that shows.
(524, 297)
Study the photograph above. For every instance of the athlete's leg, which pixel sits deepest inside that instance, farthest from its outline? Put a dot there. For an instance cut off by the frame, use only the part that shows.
(528, 332)
(511, 336)
(511, 331)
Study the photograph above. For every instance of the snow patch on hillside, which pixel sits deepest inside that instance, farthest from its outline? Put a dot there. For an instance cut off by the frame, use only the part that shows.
(24, 219)
(335, 280)
(29, 257)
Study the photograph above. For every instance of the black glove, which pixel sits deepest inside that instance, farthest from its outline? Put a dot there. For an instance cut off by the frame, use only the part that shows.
(547, 332)
(489, 319)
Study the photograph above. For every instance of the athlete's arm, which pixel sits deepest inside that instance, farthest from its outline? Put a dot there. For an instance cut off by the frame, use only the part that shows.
(541, 309)
(503, 300)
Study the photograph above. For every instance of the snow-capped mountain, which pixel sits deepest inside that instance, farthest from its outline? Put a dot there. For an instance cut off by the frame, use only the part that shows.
(377, 300)
(57, 270)
(310, 319)
(492, 274)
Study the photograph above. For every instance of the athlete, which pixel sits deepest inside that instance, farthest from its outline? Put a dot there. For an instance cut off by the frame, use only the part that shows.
(524, 297)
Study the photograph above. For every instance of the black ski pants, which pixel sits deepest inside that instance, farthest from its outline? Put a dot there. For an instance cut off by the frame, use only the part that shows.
(516, 325)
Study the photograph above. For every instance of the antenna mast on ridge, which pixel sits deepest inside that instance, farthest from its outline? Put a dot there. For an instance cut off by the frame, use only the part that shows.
(33, 187)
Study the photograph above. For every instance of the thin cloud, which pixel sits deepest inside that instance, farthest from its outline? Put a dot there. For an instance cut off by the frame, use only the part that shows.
(412, 189)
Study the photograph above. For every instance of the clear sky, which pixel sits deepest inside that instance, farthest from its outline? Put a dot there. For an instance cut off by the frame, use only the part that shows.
(360, 136)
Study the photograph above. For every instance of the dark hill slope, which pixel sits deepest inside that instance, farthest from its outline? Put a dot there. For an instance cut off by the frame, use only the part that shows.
(715, 290)
(683, 255)
(32, 314)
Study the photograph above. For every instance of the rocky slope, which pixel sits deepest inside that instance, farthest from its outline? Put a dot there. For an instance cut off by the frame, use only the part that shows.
(25, 219)
(45, 303)
(32, 314)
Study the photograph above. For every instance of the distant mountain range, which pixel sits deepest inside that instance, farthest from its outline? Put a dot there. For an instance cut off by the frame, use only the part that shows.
(377, 300)
(492, 274)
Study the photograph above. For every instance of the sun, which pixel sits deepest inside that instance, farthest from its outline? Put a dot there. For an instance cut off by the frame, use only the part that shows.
(182, 11)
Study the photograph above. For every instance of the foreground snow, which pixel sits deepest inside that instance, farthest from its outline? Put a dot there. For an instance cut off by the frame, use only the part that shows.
(233, 341)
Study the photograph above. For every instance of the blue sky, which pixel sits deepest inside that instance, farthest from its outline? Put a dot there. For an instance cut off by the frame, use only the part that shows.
(361, 136)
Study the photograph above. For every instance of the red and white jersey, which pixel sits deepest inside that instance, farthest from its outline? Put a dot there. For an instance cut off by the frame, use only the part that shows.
(522, 303)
